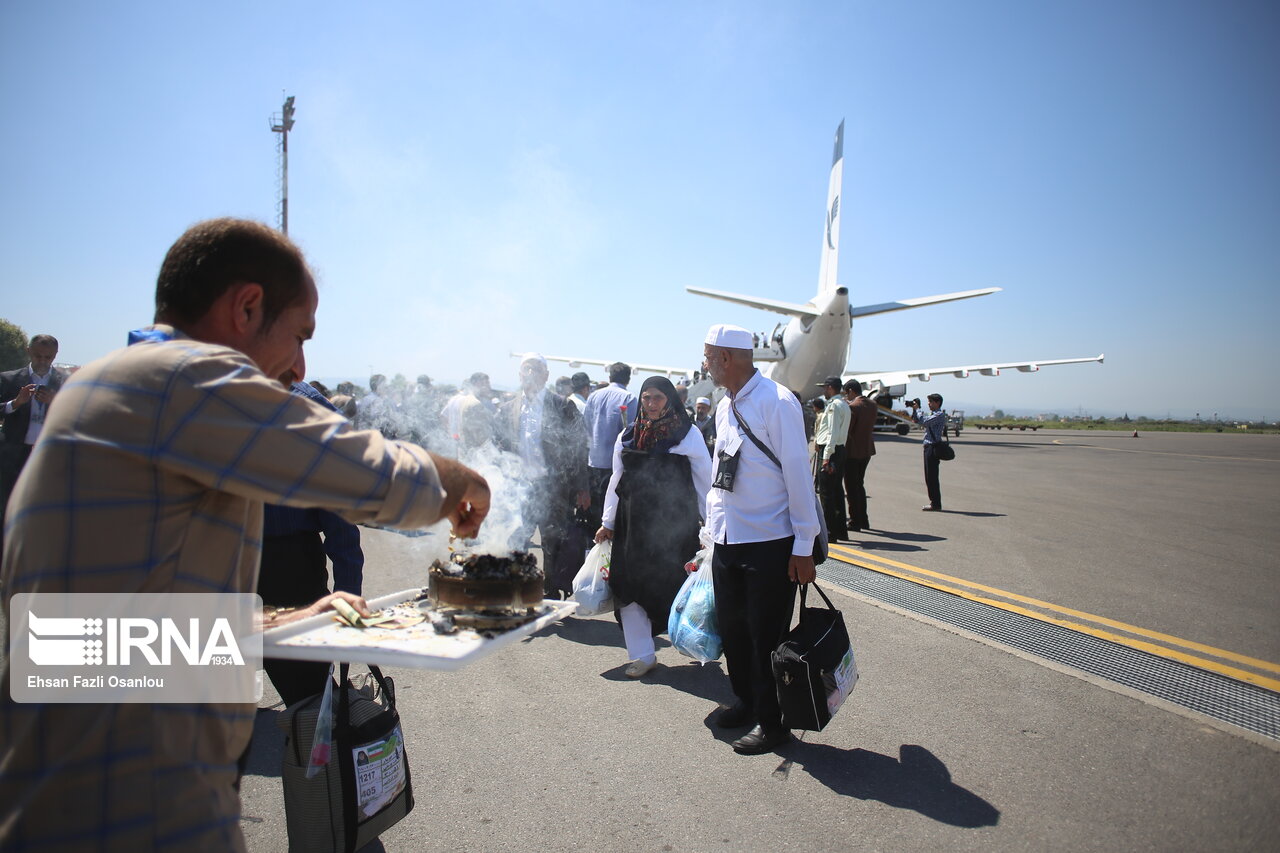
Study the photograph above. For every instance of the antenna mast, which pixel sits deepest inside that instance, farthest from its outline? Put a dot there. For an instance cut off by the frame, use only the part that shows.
(282, 123)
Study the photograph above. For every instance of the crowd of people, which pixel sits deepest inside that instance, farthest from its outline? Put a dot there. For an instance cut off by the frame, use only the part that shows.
(185, 434)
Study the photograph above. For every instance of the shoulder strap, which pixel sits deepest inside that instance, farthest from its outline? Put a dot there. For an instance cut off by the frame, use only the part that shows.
(346, 763)
(742, 425)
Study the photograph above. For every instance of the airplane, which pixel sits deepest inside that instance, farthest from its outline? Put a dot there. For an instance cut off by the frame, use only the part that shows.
(814, 343)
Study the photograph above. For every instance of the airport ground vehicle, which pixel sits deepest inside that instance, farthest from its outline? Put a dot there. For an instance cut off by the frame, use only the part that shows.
(890, 421)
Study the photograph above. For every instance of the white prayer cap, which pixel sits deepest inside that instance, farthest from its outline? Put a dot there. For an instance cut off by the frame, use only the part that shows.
(533, 356)
(706, 401)
(732, 337)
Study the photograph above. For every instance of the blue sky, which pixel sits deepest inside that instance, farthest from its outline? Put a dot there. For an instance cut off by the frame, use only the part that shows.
(471, 179)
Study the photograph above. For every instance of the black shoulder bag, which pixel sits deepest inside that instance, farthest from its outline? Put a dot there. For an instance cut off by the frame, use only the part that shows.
(813, 667)
(365, 789)
(819, 541)
(944, 450)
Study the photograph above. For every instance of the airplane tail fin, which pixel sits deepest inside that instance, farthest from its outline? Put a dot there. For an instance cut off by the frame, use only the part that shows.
(831, 228)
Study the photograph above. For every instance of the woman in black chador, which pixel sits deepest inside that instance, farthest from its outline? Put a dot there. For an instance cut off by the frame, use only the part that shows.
(653, 512)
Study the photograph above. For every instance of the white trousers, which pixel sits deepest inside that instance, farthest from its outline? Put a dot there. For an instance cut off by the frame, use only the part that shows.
(637, 630)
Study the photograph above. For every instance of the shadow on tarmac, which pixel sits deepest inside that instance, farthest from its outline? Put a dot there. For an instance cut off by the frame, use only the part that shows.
(675, 671)
(907, 537)
(586, 631)
(707, 682)
(916, 780)
(969, 442)
(902, 540)
(266, 749)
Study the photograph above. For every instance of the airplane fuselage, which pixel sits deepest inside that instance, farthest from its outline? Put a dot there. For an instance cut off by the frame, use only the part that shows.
(815, 342)
(815, 347)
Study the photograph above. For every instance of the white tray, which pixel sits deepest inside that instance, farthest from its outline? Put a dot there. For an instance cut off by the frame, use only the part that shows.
(320, 638)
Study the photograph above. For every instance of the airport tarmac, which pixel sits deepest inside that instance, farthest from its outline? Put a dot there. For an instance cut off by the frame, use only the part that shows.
(948, 742)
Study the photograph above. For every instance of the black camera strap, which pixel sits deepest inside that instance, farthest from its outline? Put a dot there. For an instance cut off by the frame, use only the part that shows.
(742, 425)
(820, 541)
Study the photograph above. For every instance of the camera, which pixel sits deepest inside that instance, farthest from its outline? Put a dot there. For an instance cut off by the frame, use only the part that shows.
(726, 471)
(913, 404)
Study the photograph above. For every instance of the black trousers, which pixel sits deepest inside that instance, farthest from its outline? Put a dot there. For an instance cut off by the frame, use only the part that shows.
(931, 477)
(549, 509)
(830, 489)
(754, 599)
(294, 574)
(855, 489)
(599, 486)
(13, 456)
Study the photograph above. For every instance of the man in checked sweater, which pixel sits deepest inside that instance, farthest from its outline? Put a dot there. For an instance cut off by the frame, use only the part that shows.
(149, 477)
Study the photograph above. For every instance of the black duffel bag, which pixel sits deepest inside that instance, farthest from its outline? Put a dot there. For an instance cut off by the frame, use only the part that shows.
(365, 788)
(813, 667)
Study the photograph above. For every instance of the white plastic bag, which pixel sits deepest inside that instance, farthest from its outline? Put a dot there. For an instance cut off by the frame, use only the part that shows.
(591, 584)
(322, 737)
(692, 624)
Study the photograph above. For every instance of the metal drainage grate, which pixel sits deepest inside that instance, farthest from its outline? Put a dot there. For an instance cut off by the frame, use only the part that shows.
(1236, 702)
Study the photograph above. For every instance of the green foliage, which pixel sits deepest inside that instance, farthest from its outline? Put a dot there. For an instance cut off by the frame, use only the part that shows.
(1144, 423)
(13, 346)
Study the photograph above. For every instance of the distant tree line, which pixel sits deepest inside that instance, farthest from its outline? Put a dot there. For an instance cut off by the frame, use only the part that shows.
(13, 346)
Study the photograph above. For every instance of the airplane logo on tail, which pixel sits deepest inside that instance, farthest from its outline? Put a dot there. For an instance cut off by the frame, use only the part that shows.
(831, 220)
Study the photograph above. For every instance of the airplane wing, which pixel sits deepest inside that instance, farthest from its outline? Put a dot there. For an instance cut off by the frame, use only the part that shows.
(902, 377)
(791, 309)
(902, 305)
(808, 311)
(636, 368)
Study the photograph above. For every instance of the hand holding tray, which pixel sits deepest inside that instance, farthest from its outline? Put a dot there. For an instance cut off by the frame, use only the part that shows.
(419, 646)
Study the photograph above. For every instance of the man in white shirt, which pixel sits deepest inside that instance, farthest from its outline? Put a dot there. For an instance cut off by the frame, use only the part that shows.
(468, 417)
(761, 517)
(830, 433)
(580, 384)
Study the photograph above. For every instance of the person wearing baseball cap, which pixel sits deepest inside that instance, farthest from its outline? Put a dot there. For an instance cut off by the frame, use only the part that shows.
(580, 384)
(830, 432)
(762, 520)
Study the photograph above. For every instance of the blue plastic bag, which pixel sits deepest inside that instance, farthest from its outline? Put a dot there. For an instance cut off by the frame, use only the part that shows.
(692, 624)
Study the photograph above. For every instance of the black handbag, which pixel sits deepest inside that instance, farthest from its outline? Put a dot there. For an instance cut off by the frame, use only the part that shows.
(820, 541)
(365, 789)
(813, 667)
(944, 451)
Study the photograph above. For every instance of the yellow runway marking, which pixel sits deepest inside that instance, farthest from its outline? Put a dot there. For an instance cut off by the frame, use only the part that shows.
(1062, 443)
(879, 564)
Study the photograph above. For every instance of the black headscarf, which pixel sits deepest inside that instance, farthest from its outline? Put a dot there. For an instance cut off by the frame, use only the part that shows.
(668, 430)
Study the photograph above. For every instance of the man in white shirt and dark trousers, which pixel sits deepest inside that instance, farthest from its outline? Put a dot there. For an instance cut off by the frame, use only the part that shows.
(830, 434)
(761, 517)
(580, 383)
